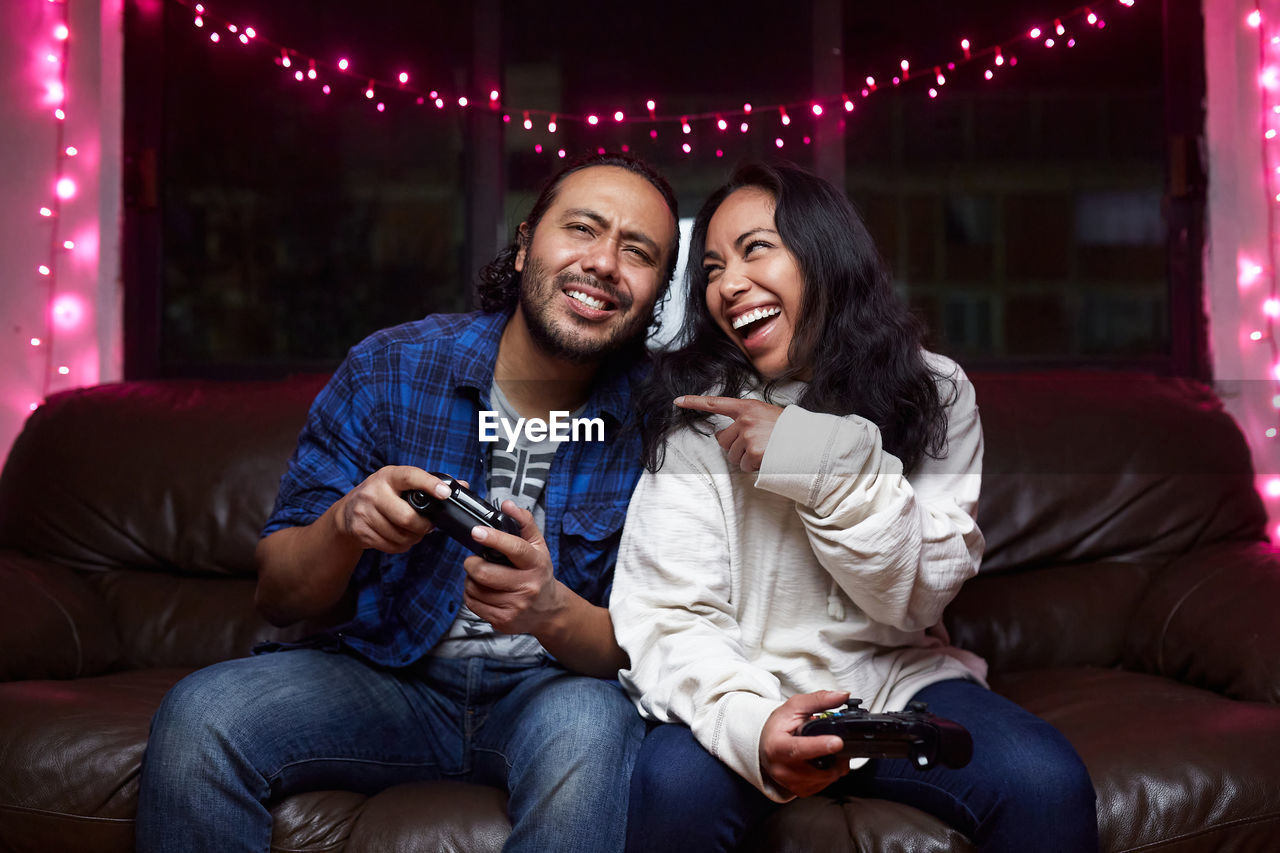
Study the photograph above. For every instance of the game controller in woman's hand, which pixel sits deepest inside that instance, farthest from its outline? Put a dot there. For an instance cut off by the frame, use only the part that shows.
(914, 733)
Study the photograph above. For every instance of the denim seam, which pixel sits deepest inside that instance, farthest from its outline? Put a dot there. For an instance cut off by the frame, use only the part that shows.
(273, 777)
(506, 761)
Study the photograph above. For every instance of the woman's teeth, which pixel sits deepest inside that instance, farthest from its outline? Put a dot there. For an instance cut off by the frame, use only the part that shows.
(755, 314)
(589, 301)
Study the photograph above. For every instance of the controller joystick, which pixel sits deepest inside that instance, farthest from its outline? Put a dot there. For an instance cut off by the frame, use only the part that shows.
(459, 513)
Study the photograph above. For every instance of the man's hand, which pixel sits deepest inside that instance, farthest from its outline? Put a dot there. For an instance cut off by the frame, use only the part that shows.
(374, 515)
(747, 437)
(522, 598)
(303, 571)
(785, 755)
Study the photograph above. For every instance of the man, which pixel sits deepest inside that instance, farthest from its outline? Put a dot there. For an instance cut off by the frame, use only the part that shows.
(445, 665)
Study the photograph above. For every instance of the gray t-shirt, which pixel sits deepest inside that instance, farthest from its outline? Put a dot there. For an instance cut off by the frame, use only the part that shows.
(518, 475)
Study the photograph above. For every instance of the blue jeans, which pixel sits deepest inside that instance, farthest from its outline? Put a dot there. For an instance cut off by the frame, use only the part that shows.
(230, 738)
(1025, 789)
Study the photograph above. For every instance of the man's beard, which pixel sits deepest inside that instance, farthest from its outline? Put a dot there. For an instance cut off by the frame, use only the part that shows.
(538, 300)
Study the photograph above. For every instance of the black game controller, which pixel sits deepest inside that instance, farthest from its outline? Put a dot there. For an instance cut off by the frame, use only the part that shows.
(914, 733)
(460, 512)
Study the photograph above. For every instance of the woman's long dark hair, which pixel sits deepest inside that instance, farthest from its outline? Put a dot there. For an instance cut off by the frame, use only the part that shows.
(859, 343)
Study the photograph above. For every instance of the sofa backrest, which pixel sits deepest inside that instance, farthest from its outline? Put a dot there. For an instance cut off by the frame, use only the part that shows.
(180, 475)
(1092, 484)
(176, 476)
(1083, 467)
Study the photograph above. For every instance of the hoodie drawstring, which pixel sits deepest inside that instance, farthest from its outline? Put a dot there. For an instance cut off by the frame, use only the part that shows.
(835, 607)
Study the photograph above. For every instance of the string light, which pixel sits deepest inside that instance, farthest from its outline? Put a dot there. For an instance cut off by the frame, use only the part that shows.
(62, 188)
(990, 59)
(1253, 272)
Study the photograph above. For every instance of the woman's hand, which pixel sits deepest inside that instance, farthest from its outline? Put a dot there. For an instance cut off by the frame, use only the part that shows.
(785, 755)
(747, 437)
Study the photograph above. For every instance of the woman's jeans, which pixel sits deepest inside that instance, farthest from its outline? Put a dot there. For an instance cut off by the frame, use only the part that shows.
(229, 739)
(1025, 789)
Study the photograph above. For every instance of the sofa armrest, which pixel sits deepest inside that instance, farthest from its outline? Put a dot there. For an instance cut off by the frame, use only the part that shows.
(1210, 619)
(52, 623)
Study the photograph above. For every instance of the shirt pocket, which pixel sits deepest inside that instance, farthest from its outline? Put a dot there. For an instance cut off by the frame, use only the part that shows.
(589, 546)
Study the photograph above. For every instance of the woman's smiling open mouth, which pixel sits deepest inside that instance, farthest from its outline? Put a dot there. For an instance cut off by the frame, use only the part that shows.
(751, 322)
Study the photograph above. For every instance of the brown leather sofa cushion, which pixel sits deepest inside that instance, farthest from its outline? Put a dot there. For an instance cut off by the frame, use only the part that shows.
(1175, 767)
(72, 753)
(1211, 619)
(175, 476)
(169, 620)
(1083, 467)
(1024, 620)
(52, 623)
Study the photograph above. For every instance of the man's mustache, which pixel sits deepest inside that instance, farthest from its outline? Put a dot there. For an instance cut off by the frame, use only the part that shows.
(619, 298)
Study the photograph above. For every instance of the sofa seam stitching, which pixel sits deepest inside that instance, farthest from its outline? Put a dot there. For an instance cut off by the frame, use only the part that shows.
(7, 807)
(1155, 845)
(71, 624)
(1173, 611)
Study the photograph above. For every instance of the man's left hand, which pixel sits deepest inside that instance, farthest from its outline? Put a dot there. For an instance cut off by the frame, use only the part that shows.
(520, 598)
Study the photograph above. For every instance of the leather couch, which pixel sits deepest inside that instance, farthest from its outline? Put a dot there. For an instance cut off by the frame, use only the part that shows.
(1128, 596)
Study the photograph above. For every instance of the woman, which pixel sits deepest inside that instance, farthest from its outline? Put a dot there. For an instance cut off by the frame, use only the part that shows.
(799, 530)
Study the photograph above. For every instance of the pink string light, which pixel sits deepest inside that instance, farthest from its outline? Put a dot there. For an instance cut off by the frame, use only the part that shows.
(62, 188)
(1064, 30)
(1252, 272)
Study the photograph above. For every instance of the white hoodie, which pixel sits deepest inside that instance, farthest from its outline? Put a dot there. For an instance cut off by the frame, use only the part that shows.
(826, 570)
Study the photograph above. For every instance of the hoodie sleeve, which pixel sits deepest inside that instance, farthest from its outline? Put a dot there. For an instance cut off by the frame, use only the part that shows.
(672, 613)
(899, 548)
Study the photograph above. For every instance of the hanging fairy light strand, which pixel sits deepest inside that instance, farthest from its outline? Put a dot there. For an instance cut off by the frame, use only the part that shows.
(1058, 32)
(1250, 272)
(62, 188)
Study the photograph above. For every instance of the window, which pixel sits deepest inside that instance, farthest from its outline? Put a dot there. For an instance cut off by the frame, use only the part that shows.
(269, 226)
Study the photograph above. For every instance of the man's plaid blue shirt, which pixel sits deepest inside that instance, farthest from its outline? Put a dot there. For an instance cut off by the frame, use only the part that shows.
(411, 395)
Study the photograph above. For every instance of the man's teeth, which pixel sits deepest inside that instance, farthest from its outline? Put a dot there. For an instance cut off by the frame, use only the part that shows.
(586, 300)
(755, 314)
